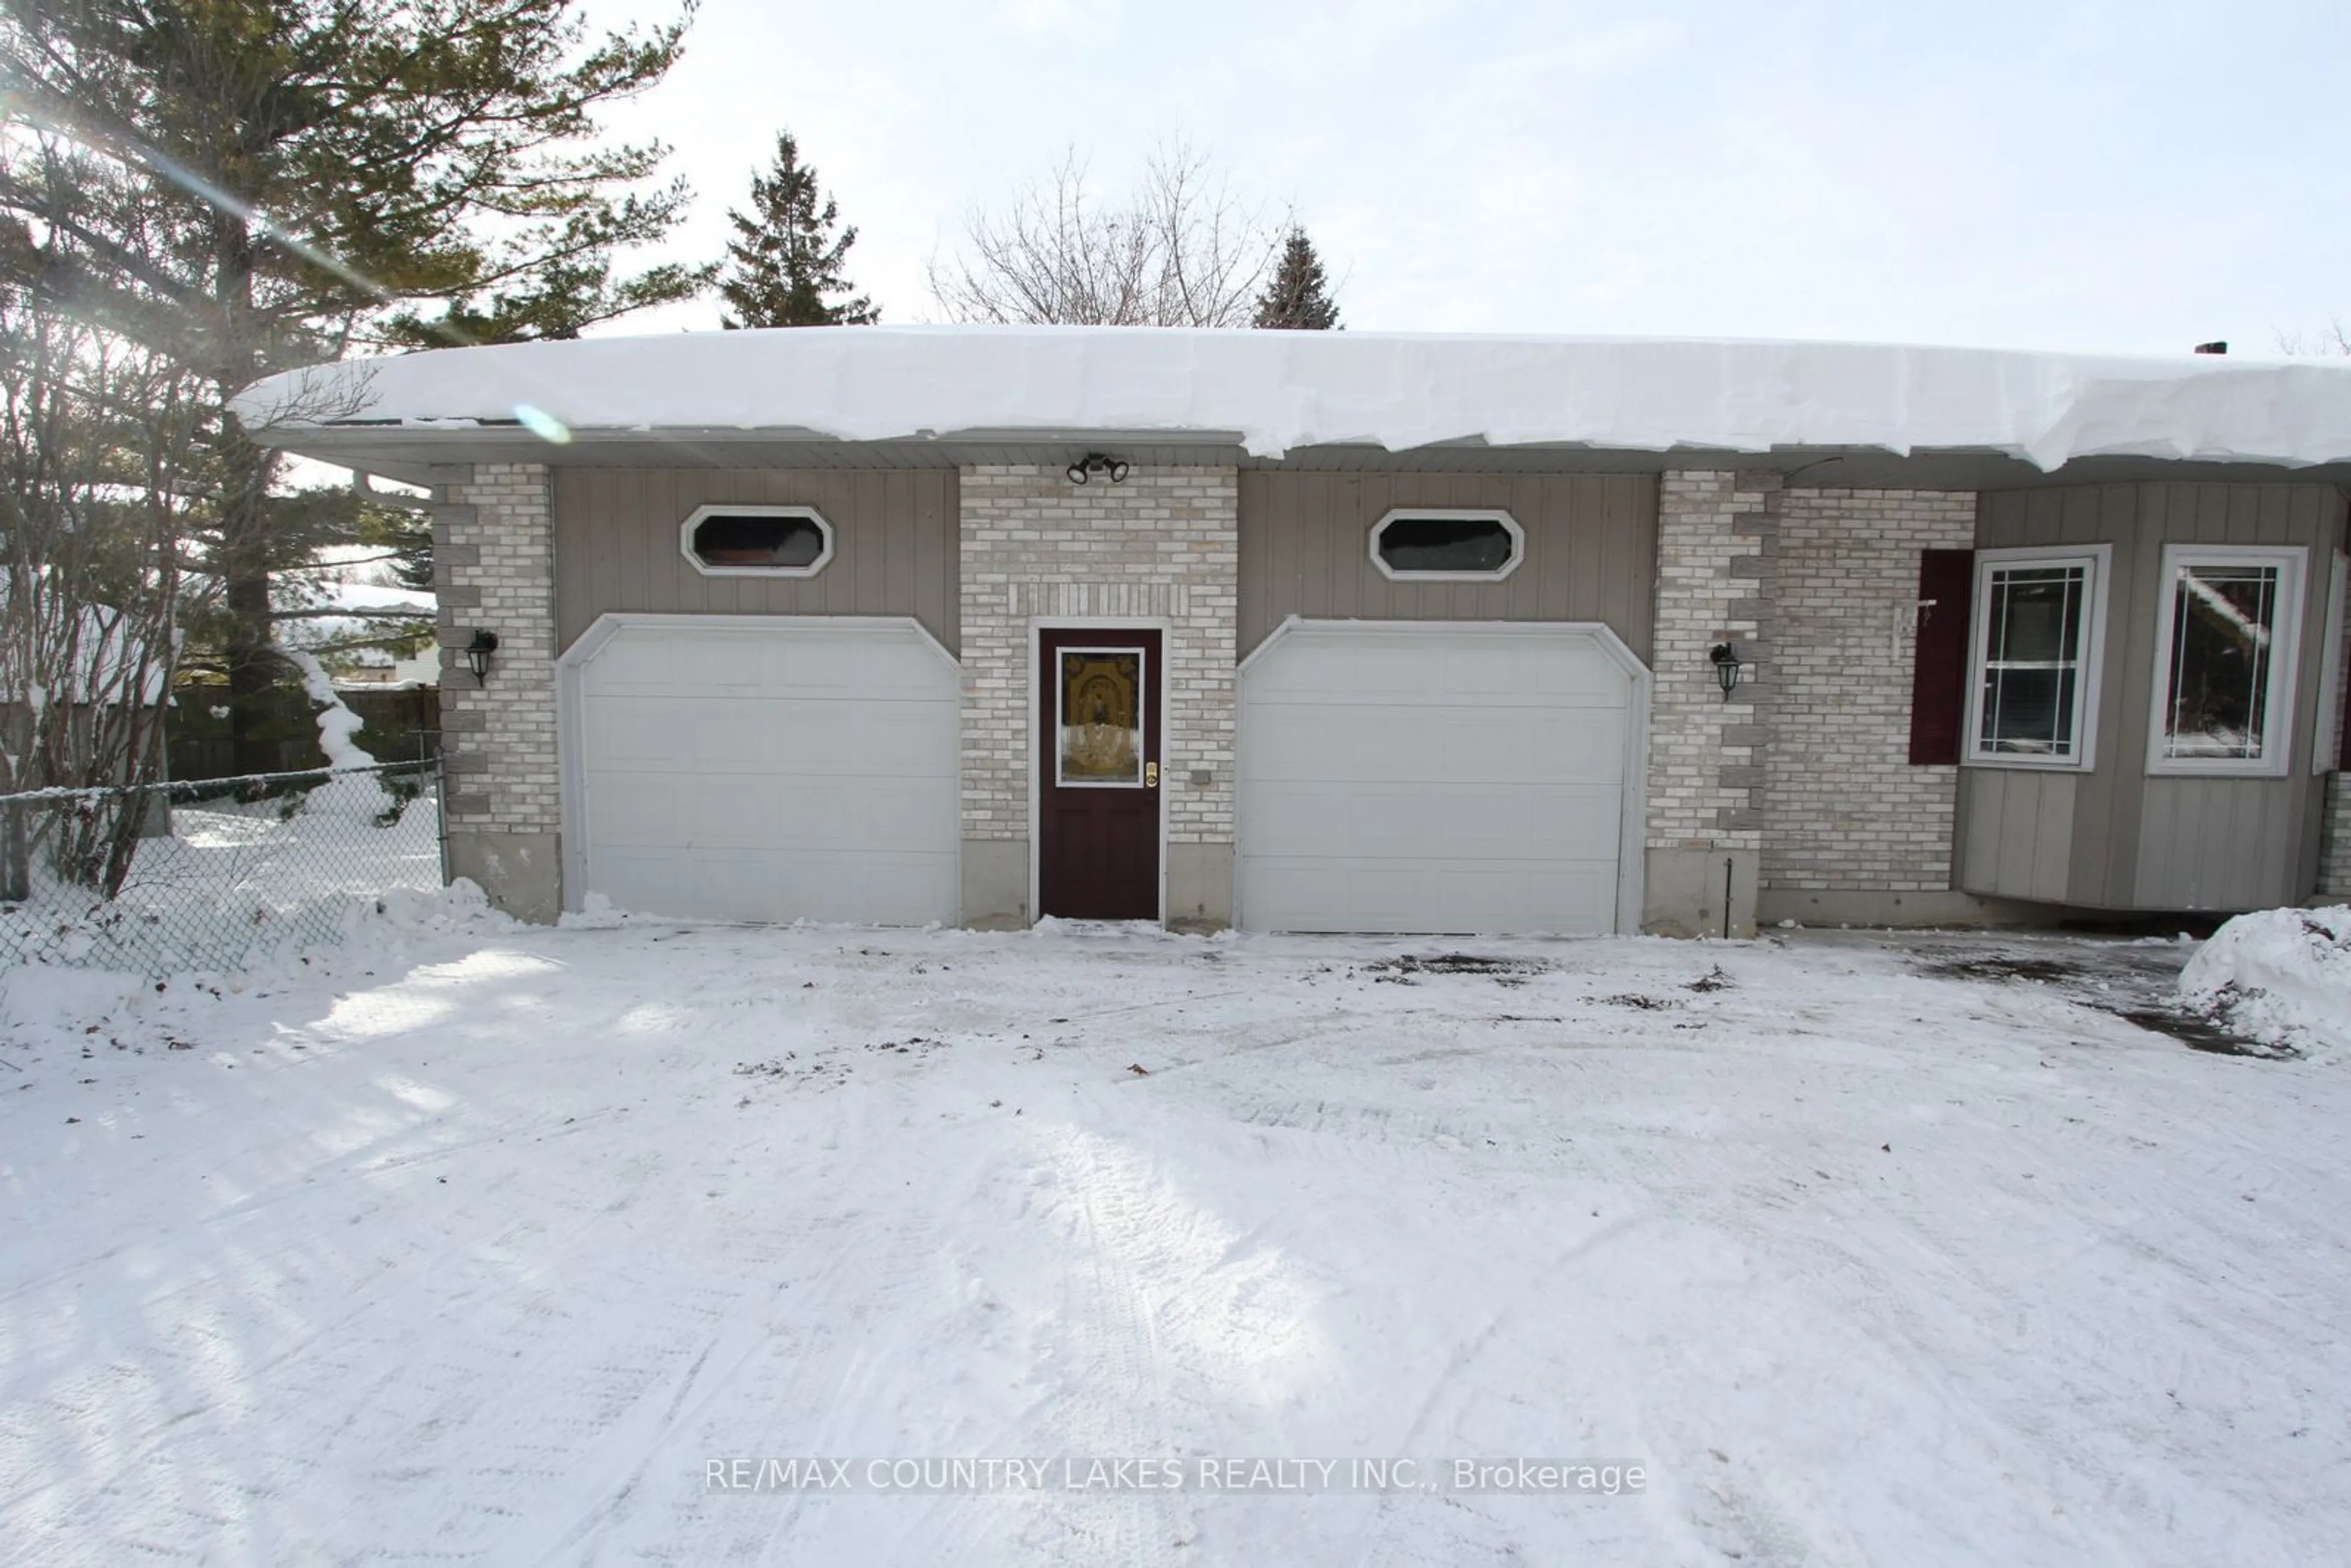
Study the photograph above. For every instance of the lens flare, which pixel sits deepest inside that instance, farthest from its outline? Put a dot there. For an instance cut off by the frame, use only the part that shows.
(543, 425)
(48, 114)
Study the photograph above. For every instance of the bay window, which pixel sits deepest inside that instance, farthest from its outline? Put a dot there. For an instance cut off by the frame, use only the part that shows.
(2227, 639)
(2040, 627)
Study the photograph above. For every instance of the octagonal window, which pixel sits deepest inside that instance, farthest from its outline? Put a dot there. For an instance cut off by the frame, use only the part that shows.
(756, 541)
(1448, 544)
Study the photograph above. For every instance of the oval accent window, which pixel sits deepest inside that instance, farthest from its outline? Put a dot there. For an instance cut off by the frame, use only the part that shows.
(756, 541)
(1452, 545)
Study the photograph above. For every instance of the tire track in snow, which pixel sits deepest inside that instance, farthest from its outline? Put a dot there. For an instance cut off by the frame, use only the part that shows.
(606, 1480)
(1113, 1398)
(202, 1235)
(332, 1334)
(816, 1359)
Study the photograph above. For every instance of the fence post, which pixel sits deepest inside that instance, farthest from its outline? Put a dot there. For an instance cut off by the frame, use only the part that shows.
(440, 805)
(15, 855)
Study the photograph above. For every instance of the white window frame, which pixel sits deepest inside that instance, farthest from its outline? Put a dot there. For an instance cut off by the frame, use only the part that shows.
(701, 515)
(1453, 515)
(2327, 744)
(2098, 560)
(2285, 655)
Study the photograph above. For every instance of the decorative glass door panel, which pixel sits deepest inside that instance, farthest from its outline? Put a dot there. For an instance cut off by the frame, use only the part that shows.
(1102, 712)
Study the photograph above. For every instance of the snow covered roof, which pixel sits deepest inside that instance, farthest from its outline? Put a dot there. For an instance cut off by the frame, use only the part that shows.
(1270, 392)
(103, 653)
(363, 603)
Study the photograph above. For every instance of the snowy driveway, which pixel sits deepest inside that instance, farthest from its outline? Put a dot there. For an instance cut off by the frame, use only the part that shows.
(481, 1256)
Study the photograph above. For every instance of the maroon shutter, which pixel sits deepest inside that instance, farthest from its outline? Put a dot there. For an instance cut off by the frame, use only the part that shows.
(1938, 671)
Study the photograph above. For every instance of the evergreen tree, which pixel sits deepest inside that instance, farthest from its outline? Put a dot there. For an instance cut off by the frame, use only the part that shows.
(785, 260)
(245, 186)
(1299, 296)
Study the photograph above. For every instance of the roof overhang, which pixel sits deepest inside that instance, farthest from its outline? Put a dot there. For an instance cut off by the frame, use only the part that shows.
(431, 457)
(1857, 415)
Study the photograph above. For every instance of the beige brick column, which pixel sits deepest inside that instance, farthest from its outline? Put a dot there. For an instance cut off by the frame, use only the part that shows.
(1718, 549)
(2334, 857)
(1163, 546)
(1856, 831)
(494, 570)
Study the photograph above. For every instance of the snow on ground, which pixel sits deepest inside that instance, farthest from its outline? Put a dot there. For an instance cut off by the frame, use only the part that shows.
(2281, 975)
(476, 1243)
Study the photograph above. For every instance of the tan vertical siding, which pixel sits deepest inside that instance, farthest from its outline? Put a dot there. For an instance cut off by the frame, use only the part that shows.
(1591, 555)
(2221, 844)
(616, 545)
(2016, 832)
(2165, 842)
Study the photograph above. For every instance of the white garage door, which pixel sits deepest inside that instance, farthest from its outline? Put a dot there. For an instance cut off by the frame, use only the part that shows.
(1433, 778)
(759, 769)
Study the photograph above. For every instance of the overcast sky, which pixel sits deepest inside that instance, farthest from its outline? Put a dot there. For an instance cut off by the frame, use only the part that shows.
(2134, 176)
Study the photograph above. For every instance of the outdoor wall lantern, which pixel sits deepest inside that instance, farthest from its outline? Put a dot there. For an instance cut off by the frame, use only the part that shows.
(477, 655)
(1726, 667)
(1094, 462)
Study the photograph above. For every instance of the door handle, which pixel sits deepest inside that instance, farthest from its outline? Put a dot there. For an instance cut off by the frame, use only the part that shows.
(1151, 776)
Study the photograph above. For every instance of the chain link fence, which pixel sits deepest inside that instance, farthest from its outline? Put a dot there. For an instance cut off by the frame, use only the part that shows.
(213, 874)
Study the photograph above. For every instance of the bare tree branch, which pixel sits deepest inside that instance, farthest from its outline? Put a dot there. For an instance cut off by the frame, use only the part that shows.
(94, 437)
(1184, 251)
(354, 613)
(2334, 340)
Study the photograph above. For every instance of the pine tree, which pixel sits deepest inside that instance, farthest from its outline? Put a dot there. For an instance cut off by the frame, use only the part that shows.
(786, 261)
(245, 186)
(1299, 296)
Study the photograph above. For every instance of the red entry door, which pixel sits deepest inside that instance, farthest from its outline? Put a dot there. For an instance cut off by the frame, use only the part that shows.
(1098, 727)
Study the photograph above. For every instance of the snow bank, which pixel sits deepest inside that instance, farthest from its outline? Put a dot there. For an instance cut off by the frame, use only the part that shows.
(1275, 391)
(375, 935)
(238, 882)
(60, 1000)
(36, 997)
(460, 909)
(2280, 976)
(598, 912)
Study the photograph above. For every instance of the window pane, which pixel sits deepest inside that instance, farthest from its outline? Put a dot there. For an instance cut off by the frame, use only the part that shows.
(2033, 655)
(1470, 545)
(734, 540)
(2216, 700)
(1101, 716)
(2029, 712)
(2034, 613)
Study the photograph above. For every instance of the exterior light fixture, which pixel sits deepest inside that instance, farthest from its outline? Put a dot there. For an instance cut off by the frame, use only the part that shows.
(1727, 667)
(477, 655)
(1094, 462)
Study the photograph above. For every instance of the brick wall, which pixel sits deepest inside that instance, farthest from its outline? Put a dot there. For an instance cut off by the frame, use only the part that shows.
(1717, 554)
(2334, 863)
(1164, 545)
(493, 567)
(2335, 843)
(1846, 809)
